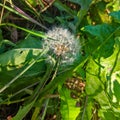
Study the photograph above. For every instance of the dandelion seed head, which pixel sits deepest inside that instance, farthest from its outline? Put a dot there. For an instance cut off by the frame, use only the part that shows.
(62, 44)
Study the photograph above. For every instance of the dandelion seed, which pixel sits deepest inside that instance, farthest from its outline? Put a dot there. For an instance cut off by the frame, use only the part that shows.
(62, 44)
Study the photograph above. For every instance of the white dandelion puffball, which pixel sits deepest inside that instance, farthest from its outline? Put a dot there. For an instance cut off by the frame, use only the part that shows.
(61, 43)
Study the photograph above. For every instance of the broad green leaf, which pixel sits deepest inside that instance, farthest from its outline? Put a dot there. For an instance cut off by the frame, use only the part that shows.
(103, 83)
(25, 51)
(102, 98)
(100, 39)
(69, 109)
(93, 83)
(16, 58)
(30, 42)
(14, 61)
(116, 16)
(111, 72)
(102, 78)
(107, 114)
(7, 82)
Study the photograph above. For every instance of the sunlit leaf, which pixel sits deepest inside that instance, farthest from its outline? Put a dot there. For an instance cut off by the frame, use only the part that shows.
(14, 61)
(107, 114)
(102, 78)
(93, 83)
(69, 108)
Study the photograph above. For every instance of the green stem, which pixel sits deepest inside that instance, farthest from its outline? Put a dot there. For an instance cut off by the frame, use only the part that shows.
(43, 81)
(40, 88)
(52, 84)
(40, 34)
(84, 110)
(44, 113)
(2, 11)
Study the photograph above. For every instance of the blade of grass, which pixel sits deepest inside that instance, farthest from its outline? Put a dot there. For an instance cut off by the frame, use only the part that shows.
(23, 111)
(26, 30)
(44, 80)
(41, 87)
(45, 110)
(21, 13)
(2, 11)
(64, 7)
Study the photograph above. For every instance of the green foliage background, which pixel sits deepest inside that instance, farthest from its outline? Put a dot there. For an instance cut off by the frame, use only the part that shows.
(27, 75)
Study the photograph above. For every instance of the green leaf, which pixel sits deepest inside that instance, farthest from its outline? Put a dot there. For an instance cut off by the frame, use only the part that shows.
(68, 107)
(23, 111)
(25, 51)
(32, 62)
(116, 16)
(7, 42)
(100, 37)
(102, 98)
(14, 61)
(63, 7)
(86, 109)
(103, 83)
(16, 58)
(93, 83)
(116, 87)
(102, 77)
(107, 114)
(83, 3)
(30, 42)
